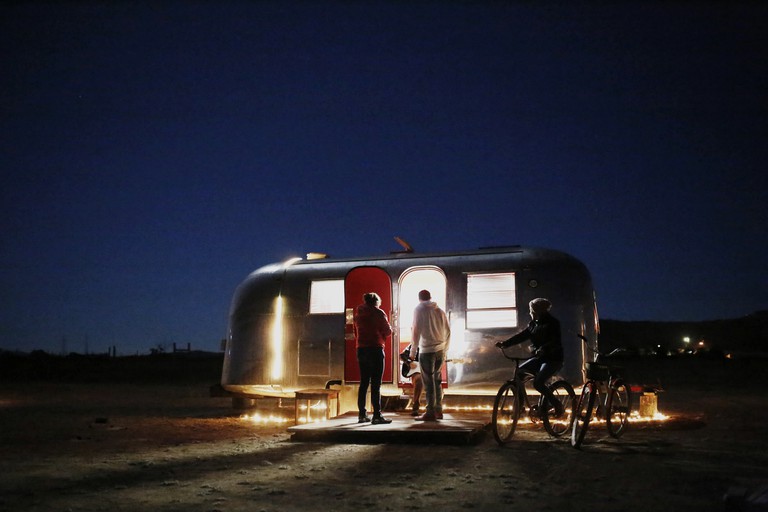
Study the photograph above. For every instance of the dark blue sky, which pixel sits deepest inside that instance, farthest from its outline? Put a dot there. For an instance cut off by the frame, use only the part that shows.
(153, 154)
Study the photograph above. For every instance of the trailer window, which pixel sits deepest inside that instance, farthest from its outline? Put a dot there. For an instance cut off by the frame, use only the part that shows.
(491, 301)
(326, 297)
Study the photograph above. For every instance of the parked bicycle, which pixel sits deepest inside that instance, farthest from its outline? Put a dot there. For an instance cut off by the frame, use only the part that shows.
(513, 400)
(605, 395)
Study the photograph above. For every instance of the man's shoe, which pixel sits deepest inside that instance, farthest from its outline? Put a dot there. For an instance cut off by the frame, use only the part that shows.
(380, 420)
(415, 411)
(363, 419)
(426, 417)
(439, 415)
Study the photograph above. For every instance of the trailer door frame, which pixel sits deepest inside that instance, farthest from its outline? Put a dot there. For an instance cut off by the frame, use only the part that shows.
(413, 280)
(358, 281)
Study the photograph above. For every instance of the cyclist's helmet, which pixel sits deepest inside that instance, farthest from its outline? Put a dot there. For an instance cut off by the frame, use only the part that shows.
(540, 305)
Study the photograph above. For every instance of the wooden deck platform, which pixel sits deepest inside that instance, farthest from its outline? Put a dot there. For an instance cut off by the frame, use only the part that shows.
(454, 428)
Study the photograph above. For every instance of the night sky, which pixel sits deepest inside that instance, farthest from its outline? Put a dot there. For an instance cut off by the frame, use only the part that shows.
(154, 154)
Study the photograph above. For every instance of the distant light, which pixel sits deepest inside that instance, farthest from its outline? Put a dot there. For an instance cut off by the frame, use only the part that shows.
(316, 256)
(686, 339)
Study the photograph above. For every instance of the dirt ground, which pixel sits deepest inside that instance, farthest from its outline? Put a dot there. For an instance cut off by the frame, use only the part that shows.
(164, 447)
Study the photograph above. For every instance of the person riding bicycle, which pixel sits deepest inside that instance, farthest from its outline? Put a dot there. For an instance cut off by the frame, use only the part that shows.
(544, 333)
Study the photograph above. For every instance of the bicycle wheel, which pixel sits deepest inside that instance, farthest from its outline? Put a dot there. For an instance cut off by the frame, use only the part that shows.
(506, 411)
(583, 413)
(617, 408)
(557, 425)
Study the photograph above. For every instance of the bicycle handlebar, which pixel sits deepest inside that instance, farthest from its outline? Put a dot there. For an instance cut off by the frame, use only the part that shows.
(511, 358)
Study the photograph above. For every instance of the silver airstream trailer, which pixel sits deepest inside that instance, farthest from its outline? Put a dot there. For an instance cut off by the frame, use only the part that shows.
(290, 324)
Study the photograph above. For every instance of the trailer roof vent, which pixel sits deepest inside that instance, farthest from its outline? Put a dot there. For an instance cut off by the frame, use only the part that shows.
(316, 256)
(405, 245)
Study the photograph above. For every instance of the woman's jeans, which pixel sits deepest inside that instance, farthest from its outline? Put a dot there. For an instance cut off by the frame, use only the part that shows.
(371, 361)
(431, 375)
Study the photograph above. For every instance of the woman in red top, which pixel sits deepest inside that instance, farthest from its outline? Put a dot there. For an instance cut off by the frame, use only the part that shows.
(371, 331)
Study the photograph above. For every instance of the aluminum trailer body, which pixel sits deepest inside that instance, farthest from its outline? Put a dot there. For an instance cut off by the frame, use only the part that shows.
(290, 324)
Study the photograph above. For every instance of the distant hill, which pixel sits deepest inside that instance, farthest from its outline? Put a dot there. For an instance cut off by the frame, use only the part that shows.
(748, 334)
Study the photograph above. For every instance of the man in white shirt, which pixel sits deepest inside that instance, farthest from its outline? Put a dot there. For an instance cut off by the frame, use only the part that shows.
(431, 334)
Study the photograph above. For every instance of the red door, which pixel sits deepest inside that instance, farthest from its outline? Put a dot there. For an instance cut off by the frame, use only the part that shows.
(359, 281)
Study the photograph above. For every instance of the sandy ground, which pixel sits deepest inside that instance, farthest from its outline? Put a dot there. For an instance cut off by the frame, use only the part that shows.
(119, 447)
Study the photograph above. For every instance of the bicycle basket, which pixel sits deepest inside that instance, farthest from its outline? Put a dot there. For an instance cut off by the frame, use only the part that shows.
(597, 371)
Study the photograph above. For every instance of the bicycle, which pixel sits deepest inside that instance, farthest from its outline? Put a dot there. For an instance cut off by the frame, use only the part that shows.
(512, 400)
(605, 389)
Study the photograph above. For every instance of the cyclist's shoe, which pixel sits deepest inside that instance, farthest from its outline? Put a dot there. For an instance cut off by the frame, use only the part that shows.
(363, 419)
(556, 410)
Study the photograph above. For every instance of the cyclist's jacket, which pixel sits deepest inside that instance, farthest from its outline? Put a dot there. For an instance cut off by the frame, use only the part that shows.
(545, 337)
